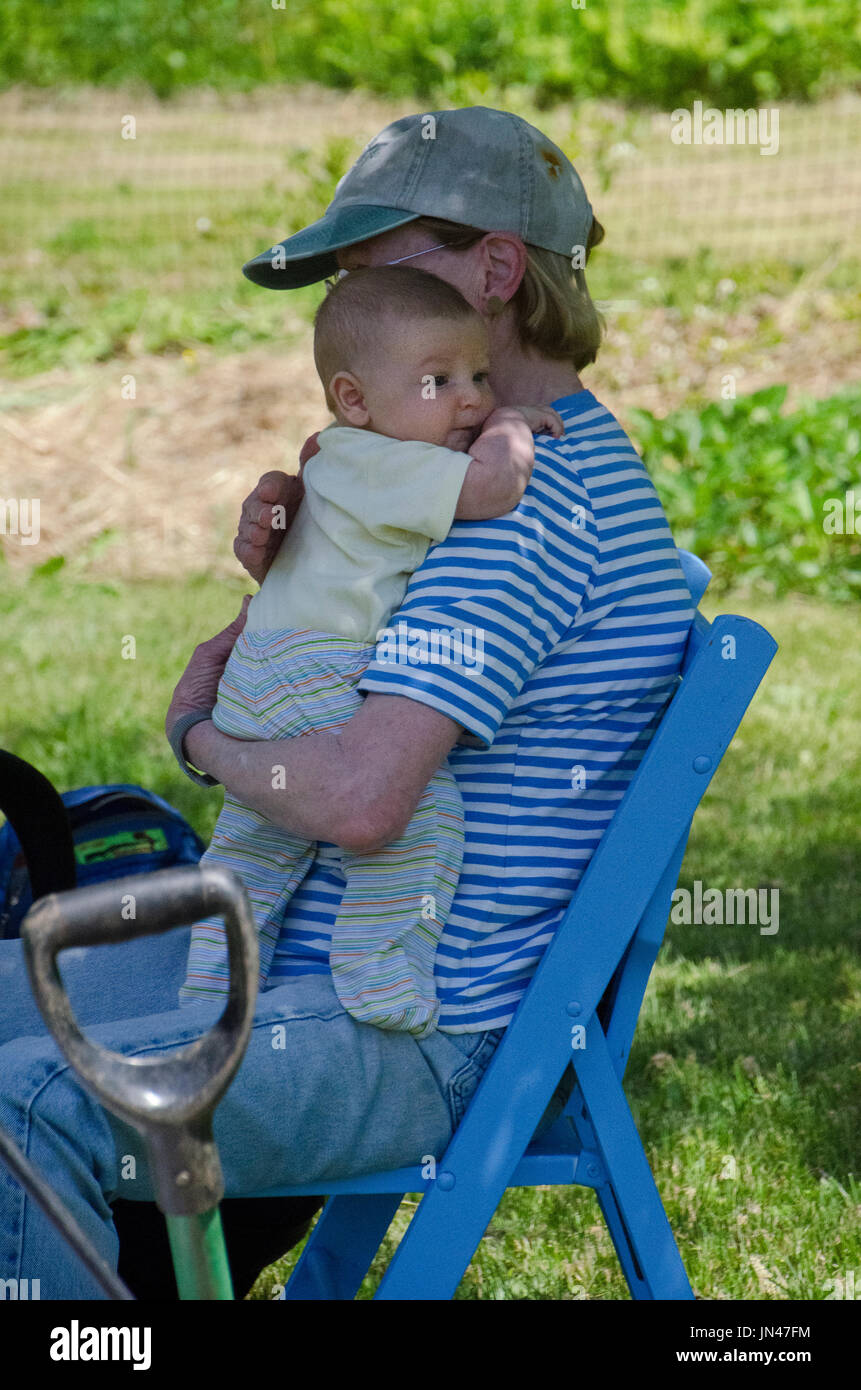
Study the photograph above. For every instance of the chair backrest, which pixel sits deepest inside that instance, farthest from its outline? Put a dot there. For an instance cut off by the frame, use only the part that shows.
(603, 950)
(634, 869)
(622, 1000)
(697, 575)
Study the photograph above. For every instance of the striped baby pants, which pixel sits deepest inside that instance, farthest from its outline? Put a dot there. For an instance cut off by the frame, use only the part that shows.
(280, 684)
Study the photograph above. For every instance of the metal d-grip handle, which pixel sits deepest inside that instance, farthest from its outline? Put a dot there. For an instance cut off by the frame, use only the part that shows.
(171, 1100)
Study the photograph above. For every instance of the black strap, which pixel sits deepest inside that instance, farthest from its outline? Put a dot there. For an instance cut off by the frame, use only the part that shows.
(35, 811)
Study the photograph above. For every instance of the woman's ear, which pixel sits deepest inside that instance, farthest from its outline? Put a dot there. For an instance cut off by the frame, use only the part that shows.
(349, 397)
(504, 264)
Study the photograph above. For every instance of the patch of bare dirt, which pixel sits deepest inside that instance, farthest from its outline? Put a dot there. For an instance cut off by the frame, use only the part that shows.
(165, 471)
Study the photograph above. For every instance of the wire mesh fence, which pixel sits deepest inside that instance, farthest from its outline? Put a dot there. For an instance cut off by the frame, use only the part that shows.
(228, 176)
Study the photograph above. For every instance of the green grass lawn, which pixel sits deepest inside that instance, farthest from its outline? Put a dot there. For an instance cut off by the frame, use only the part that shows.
(743, 1077)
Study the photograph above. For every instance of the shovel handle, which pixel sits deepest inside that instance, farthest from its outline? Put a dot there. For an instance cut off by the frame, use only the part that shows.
(171, 1098)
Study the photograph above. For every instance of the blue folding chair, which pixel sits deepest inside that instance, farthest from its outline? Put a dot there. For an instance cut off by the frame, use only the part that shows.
(593, 976)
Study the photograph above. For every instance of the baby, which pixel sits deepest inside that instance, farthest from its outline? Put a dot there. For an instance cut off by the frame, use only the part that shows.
(404, 363)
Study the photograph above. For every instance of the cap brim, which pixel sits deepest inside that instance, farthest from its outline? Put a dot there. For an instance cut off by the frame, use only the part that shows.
(309, 255)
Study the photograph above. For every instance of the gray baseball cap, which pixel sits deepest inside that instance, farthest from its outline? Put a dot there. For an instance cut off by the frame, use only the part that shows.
(487, 169)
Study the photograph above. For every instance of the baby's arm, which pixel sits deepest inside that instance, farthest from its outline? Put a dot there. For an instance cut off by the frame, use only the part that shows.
(503, 457)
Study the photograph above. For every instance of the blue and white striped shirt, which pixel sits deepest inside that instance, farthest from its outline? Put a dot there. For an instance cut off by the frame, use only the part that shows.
(572, 614)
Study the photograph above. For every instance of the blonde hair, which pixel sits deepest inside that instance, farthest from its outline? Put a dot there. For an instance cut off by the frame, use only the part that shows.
(350, 323)
(553, 307)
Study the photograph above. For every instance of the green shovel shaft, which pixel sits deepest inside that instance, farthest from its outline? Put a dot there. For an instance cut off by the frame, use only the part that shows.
(200, 1256)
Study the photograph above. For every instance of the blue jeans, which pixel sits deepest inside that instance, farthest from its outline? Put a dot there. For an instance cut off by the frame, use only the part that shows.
(321, 1097)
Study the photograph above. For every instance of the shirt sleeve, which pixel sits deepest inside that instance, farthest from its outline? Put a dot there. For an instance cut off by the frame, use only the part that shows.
(489, 603)
(405, 485)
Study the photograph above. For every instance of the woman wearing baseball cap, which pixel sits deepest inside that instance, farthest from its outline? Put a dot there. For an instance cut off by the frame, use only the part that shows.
(485, 201)
(583, 611)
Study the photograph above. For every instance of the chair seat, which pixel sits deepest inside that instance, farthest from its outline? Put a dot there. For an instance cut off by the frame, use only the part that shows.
(554, 1160)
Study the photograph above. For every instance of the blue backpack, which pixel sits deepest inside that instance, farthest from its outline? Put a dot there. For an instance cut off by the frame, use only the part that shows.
(117, 829)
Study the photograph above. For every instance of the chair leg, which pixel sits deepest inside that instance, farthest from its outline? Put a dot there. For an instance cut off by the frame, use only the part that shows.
(633, 1209)
(622, 1241)
(435, 1250)
(578, 1115)
(341, 1246)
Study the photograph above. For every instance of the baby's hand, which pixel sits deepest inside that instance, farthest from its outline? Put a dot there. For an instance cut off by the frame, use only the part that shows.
(542, 419)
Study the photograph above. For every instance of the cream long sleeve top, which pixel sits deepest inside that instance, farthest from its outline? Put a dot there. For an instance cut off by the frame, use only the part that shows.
(372, 507)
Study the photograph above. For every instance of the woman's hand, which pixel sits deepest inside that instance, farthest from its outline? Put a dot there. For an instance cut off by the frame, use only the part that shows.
(262, 528)
(198, 685)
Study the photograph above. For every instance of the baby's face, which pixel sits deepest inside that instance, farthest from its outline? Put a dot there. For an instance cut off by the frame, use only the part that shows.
(431, 383)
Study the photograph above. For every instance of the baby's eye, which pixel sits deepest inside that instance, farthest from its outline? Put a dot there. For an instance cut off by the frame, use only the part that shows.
(440, 380)
(480, 376)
